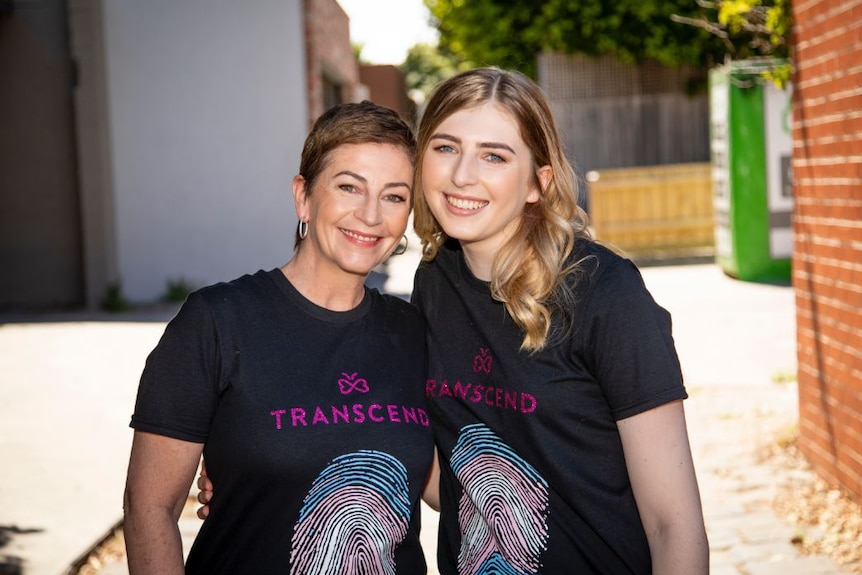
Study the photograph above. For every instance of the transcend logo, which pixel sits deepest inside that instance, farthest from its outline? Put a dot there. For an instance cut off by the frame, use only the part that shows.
(357, 413)
(498, 397)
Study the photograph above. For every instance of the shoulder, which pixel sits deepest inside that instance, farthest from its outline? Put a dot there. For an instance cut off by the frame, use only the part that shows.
(397, 308)
(232, 290)
(612, 293)
(596, 267)
(438, 280)
(447, 257)
(395, 324)
(447, 263)
(228, 298)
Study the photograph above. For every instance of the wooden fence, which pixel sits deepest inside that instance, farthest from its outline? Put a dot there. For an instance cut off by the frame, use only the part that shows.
(654, 212)
(614, 114)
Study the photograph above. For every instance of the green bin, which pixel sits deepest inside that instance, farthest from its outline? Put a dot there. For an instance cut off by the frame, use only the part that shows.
(751, 148)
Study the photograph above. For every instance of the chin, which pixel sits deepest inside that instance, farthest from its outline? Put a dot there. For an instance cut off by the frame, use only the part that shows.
(360, 269)
(460, 232)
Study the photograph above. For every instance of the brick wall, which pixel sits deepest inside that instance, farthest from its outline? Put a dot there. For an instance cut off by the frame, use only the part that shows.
(827, 262)
(386, 87)
(329, 54)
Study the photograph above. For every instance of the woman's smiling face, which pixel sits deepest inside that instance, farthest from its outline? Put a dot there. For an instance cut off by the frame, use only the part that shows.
(358, 209)
(477, 177)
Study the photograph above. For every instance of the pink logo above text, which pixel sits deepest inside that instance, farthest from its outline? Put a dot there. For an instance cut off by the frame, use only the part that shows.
(350, 383)
(482, 362)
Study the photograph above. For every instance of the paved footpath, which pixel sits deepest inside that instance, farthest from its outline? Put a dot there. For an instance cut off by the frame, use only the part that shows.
(67, 387)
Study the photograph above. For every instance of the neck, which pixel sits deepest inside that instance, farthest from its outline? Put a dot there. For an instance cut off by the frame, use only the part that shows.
(335, 292)
(479, 261)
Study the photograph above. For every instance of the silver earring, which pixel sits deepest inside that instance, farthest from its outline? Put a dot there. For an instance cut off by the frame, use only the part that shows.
(302, 230)
(401, 247)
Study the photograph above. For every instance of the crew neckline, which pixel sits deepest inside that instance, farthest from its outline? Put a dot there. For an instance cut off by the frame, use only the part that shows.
(319, 312)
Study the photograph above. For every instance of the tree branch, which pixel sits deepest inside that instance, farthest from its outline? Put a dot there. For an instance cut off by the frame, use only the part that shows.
(716, 29)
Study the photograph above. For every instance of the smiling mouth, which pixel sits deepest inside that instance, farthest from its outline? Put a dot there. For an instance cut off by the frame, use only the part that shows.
(464, 204)
(360, 237)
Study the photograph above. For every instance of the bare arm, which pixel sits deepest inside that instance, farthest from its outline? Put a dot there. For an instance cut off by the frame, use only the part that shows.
(160, 474)
(658, 458)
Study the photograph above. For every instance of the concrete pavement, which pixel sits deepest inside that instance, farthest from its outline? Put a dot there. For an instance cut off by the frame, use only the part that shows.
(67, 387)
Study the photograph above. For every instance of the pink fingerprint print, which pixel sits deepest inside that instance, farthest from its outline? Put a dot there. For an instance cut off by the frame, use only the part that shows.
(482, 361)
(353, 518)
(503, 511)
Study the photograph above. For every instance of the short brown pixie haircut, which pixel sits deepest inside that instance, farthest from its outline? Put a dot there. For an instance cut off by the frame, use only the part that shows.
(353, 123)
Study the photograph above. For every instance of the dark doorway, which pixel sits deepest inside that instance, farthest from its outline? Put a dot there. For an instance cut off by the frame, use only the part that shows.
(40, 223)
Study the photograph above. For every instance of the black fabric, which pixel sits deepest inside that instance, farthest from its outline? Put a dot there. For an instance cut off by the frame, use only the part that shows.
(533, 471)
(314, 425)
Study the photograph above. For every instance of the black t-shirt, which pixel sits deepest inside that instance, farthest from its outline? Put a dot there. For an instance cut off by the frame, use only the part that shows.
(533, 477)
(315, 430)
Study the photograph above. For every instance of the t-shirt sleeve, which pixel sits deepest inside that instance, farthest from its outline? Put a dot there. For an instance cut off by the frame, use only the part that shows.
(631, 345)
(179, 386)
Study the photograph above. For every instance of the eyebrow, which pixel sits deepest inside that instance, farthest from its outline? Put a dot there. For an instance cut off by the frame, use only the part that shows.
(489, 145)
(365, 181)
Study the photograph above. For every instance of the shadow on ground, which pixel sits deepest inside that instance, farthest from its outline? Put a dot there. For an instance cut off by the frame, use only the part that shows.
(9, 564)
(159, 312)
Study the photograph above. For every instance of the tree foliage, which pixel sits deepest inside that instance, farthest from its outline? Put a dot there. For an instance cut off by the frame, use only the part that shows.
(750, 29)
(425, 66)
(511, 33)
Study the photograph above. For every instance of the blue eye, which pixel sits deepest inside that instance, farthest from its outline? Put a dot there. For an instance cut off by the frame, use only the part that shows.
(494, 158)
(395, 198)
(446, 148)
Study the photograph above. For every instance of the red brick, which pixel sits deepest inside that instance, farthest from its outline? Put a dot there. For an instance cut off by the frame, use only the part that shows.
(853, 401)
(847, 332)
(813, 189)
(844, 145)
(811, 128)
(327, 32)
(847, 211)
(833, 270)
(827, 259)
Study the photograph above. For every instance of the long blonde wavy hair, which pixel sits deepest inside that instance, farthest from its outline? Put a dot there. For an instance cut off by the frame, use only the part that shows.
(529, 272)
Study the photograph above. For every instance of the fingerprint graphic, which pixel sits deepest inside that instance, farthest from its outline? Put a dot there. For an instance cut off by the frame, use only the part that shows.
(503, 511)
(354, 517)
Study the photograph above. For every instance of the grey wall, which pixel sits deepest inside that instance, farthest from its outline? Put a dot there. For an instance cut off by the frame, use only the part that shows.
(207, 113)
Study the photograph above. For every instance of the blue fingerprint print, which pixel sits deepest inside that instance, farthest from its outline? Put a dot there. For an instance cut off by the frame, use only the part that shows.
(353, 518)
(503, 511)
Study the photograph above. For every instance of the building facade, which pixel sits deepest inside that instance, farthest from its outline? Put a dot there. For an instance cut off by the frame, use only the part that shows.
(151, 143)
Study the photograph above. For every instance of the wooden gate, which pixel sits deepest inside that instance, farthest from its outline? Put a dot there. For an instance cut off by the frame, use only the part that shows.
(655, 211)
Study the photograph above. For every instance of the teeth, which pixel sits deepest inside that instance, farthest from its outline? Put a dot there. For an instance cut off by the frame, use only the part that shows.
(465, 204)
(359, 237)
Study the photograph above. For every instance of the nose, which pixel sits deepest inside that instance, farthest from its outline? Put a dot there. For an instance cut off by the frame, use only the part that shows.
(465, 171)
(369, 212)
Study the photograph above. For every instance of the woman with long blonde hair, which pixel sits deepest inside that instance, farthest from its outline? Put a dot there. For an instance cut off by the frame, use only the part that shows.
(553, 385)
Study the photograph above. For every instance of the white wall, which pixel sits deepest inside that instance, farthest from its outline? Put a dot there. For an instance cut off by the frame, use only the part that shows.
(207, 105)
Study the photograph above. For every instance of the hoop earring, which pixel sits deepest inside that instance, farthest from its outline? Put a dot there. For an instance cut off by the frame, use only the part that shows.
(401, 248)
(302, 230)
